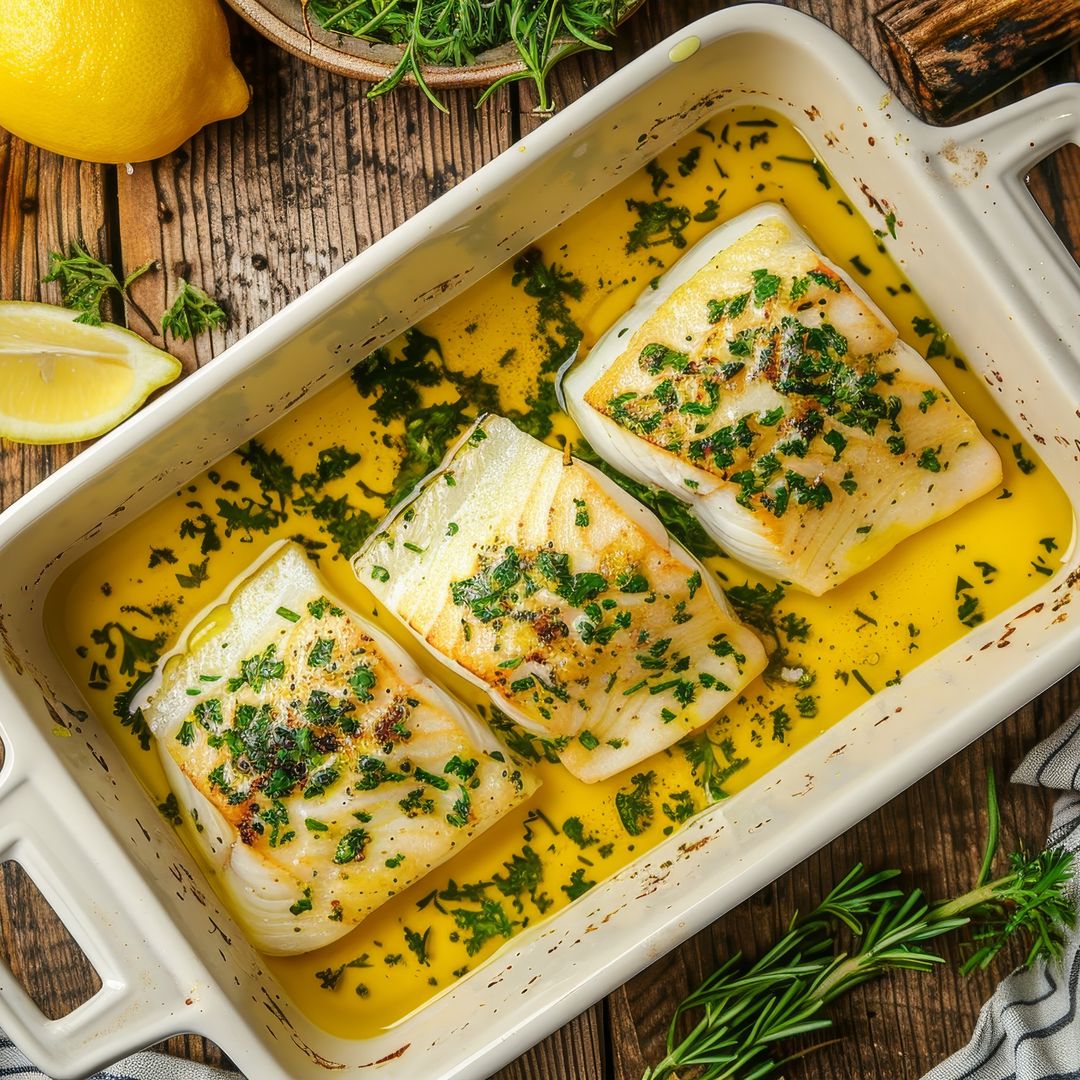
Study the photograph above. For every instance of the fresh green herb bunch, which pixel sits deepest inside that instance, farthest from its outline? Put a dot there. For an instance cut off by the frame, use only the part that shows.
(452, 33)
(742, 1013)
(85, 281)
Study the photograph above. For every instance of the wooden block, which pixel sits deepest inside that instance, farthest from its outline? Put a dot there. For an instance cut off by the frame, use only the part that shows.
(952, 54)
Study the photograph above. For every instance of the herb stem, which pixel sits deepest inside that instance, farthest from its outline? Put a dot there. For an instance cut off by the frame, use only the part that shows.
(993, 828)
(132, 303)
(452, 33)
(745, 1012)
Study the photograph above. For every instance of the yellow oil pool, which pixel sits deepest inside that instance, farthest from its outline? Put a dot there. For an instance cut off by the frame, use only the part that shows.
(327, 472)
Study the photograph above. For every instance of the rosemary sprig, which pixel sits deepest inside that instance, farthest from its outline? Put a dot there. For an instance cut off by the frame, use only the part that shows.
(85, 280)
(740, 1014)
(452, 33)
(192, 312)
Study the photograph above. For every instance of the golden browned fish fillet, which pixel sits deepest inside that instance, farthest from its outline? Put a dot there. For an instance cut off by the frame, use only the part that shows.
(544, 583)
(769, 393)
(320, 771)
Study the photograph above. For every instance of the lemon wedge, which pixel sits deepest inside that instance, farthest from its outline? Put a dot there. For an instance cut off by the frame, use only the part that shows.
(63, 381)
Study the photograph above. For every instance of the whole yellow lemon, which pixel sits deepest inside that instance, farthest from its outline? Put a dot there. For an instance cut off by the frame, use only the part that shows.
(115, 80)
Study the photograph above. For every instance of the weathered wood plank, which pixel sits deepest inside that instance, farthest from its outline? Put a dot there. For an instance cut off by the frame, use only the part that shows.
(955, 53)
(42, 955)
(577, 1050)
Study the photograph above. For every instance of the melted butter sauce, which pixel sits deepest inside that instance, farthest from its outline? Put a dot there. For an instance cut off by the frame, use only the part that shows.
(127, 600)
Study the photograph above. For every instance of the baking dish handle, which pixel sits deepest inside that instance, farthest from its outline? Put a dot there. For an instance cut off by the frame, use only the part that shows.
(47, 827)
(987, 160)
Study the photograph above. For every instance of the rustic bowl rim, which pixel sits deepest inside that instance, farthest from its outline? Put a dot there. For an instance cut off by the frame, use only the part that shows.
(374, 61)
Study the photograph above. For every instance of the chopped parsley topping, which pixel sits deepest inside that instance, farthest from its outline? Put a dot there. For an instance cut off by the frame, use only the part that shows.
(588, 740)
(1025, 464)
(416, 805)
(460, 814)
(731, 308)
(479, 927)
(766, 286)
(575, 830)
(418, 944)
(837, 441)
(257, 670)
(351, 846)
(321, 653)
(362, 680)
(659, 222)
(635, 807)
(577, 885)
(928, 460)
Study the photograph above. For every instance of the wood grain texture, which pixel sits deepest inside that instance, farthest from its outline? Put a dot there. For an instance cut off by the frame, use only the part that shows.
(259, 209)
(952, 54)
(42, 955)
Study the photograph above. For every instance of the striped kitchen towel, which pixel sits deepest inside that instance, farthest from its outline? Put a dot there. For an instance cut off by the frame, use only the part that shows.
(145, 1066)
(1030, 1028)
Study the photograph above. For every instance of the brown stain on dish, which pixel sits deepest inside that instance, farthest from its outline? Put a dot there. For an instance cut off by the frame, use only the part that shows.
(651, 884)
(279, 1014)
(872, 200)
(54, 715)
(689, 848)
(336, 1066)
(967, 161)
(9, 648)
(392, 1056)
(215, 929)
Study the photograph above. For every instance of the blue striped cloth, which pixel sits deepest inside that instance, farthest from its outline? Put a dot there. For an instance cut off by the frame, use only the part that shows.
(1030, 1028)
(145, 1066)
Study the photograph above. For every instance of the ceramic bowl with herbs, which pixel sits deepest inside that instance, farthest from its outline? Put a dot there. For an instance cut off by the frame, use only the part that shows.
(441, 44)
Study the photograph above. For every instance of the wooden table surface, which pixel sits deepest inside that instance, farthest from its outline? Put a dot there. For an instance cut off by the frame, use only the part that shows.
(260, 209)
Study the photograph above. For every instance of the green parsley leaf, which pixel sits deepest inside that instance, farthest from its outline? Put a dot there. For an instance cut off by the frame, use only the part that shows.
(192, 312)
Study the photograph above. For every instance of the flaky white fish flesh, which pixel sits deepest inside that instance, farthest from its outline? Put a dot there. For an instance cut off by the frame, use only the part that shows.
(761, 385)
(544, 583)
(320, 772)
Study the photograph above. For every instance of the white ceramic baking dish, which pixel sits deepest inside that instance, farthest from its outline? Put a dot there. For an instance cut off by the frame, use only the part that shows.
(170, 960)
